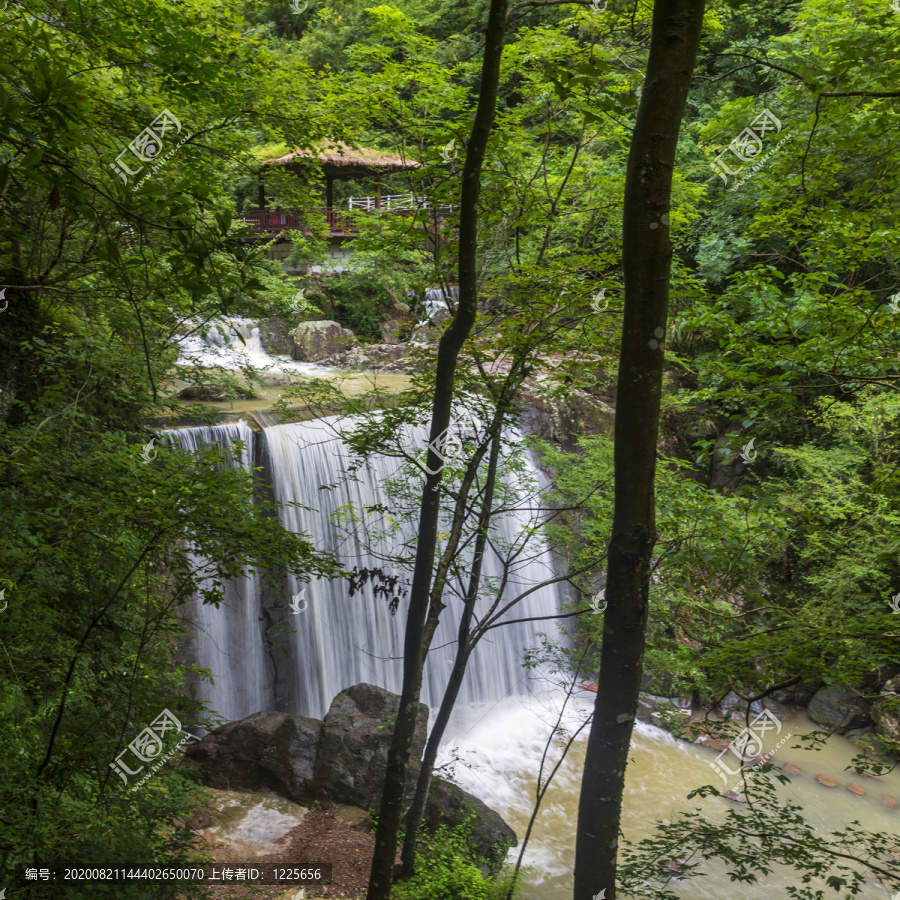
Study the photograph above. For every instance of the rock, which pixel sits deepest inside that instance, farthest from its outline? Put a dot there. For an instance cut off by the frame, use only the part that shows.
(781, 712)
(865, 739)
(841, 706)
(888, 802)
(212, 394)
(856, 788)
(717, 744)
(827, 780)
(354, 358)
(886, 710)
(274, 337)
(800, 694)
(266, 751)
(315, 341)
(248, 824)
(791, 769)
(398, 324)
(386, 352)
(566, 417)
(735, 797)
(450, 805)
(354, 817)
(351, 758)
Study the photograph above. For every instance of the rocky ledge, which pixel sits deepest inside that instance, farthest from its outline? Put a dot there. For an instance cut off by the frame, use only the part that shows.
(341, 759)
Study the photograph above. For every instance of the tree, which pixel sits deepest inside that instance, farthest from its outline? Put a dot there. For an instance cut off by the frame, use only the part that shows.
(647, 256)
(414, 649)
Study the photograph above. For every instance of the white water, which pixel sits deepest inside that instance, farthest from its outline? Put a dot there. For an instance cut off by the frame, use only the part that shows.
(505, 748)
(230, 638)
(342, 640)
(235, 344)
(339, 640)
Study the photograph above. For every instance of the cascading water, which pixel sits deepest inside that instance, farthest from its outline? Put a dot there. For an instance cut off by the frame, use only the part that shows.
(230, 639)
(342, 640)
(339, 640)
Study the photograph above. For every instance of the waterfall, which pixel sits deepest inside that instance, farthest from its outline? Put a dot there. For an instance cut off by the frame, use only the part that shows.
(230, 639)
(339, 640)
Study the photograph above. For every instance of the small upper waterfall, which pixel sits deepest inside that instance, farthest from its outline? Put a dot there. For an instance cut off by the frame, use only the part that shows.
(339, 640)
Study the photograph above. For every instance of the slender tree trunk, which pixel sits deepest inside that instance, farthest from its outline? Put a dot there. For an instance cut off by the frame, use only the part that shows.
(647, 256)
(414, 648)
(463, 651)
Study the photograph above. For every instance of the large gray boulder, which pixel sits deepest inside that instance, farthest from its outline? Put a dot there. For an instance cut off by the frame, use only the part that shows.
(450, 805)
(839, 705)
(886, 710)
(342, 759)
(312, 341)
(351, 759)
(268, 750)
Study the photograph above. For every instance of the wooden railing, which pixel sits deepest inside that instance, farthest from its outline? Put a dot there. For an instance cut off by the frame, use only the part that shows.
(274, 221)
(340, 222)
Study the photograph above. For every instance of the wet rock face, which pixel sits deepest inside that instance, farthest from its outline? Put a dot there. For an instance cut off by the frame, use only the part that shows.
(266, 751)
(886, 710)
(356, 734)
(841, 706)
(314, 341)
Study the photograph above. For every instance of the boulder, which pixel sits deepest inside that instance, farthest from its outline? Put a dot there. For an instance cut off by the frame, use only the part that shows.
(314, 341)
(781, 712)
(398, 324)
(274, 337)
(839, 705)
(211, 393)
(886, 710)
(798, 694)
(450, 805)
(351, 758)
(266, 751)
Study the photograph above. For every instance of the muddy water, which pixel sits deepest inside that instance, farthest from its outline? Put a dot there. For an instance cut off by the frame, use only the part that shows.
(506, 745)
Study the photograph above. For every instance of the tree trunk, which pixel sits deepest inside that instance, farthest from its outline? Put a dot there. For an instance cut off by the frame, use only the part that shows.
(463, 651)
(647, 256)
(414, 648)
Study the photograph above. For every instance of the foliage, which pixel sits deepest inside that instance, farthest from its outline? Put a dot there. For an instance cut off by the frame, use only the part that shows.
(448, 870)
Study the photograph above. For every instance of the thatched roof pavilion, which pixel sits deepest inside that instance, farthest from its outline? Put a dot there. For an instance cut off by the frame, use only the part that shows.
(340, 160)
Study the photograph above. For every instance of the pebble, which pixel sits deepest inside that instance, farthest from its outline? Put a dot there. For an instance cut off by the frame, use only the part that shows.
(856, 788)
(791, 769)
(827, 780)
(888, 802)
